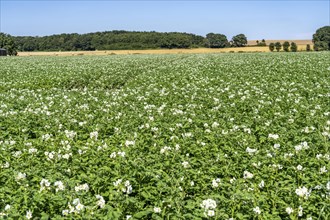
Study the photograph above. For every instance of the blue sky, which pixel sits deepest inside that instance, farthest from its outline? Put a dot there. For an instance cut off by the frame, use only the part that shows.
(256, 19)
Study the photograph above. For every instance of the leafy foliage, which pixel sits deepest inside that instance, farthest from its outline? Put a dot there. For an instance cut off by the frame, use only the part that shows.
(271, 47)
(217, 40)
(239, 40)
(278, 46)
(321, 39)
(110, 40)
(293, 47)
(286, 46)
(7, 42)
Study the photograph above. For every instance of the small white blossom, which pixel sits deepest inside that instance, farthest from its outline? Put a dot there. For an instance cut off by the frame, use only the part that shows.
(76, 201)
(210, 213)
(33, 150)
(300, 211)
(273, 136)
(289, 210)
(129, 143)
(44, 184)
(277, 146)
(208, 204)
(101, 202)
(7, 207)
(323, 170)
(157, 210)
(215, 183)
(302, 192)
(299, 167)
(84, 187)
(59, 186)
(261, 184)
(20, 176)
(185, 164)
(65, 212)
(247, 175)
(70, 134)
(117, 182)
(28, 214)
(94, 135)
(251, 150)
(232, 180)
(79, 207)
(165, 149)
(257, 210)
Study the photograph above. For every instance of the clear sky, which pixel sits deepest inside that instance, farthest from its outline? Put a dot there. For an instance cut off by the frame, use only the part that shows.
(256, 19)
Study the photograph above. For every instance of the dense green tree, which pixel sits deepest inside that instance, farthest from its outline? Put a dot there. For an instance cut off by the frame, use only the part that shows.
(321, 39)
(110, 40)
(278, 46)
(293, 47)
(271, 47)
(7, 42)
(239, 40)
(286, 46)
(216, 40)
(308, 47)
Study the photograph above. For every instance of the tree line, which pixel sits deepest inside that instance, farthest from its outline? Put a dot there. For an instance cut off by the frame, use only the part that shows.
(125, 40)
(134, 40)
(286, 46)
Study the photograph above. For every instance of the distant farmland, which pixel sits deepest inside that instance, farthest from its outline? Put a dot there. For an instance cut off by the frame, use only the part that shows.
(301, 47)
(298, 42)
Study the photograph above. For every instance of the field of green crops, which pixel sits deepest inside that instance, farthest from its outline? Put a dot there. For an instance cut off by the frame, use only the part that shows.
(218, 136)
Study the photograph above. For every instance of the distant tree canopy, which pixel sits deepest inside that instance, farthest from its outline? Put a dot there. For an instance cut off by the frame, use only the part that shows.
(239, 41)
(293, 47)
(278, 46)
(110, 40)
(124, 40)
(321, 39)
(216, 40)
(271, 47)
(7, 42)
(286, 46)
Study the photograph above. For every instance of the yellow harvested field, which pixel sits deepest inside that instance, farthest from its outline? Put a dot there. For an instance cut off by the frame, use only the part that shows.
(154, 51)
(298, 42)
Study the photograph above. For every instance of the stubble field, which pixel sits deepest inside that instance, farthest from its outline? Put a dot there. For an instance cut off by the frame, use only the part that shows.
(219, 136)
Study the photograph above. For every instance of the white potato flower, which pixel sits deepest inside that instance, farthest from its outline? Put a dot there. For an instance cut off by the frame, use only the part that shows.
(185, 164)
(247, 175)
(209, 204)
(101, 201)
(28, 214)
(157, 210)
(273, 136)
(257, 210)
(94, 135)
(302, 192)
(289, 210)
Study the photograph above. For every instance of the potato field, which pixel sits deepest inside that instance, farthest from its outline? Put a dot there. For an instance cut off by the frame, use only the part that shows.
(198, 136)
